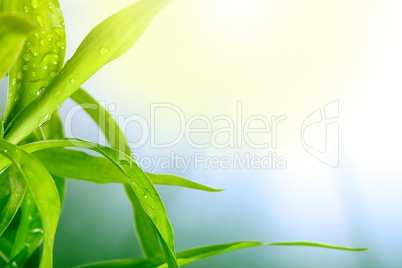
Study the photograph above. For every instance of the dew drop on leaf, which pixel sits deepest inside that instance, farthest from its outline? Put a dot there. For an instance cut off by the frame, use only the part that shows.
(49, 36)
(14, 81)
(37, 230)
(124, 163)
(33, 73)
(51, 11)
(72, 80)
(60, 44)
(34, 4)
(103, 51)
(27, 56)
(19, 75)
(39, 19)
(40, 91)
(47, 118)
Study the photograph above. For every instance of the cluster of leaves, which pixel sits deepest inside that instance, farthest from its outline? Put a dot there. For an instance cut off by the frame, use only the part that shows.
(34, 156)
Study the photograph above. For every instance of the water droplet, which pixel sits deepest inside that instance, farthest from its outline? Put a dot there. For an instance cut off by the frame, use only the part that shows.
(60, 44)
(5, 150)
(52, 74)
(147, 194)
(33, 73)
(40, 91)
(26, 9)
(49, 36)
(37, 230)
(57, 93)
(47, 118)
(19, 75)
(30, 218)
(44, 67)
(103, 51)
(51, 9)
(34, 4)
(72, 80)
(14, 81)
(124, 163)
(59, 32)
(25, 67)
(39, 20)
(17, 97)
(27, 56)
(42, 42)
(14, 263)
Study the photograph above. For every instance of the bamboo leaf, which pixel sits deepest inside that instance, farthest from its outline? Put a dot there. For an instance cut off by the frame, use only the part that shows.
(139, 182)
(42, 55)
(12, 191)
(44, 193)
(107, 41)
(82, 166)
(14, 29)
(146, 232)
(30, 217)
(200, 253)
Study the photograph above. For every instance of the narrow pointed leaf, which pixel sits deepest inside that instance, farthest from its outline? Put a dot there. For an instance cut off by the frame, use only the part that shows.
(107, 41)
(146, 232)
(82, 166)
(14, 29)
(30, 216)
(42, 55)
(12, 191)
(5, 248)
(138, 180)
(195, 254)
(44, 193)
(27, 234)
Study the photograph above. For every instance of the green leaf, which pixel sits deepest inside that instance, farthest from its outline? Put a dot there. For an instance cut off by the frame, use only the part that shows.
(195, 254)
(14, 29)
(5, 248)
(42, 56)
(146, 232)
(27, 234)
(44, 193)
(30, 216)
(12, 191)
(173, 180)
(82, 166)
(107, 41)
(138, 180)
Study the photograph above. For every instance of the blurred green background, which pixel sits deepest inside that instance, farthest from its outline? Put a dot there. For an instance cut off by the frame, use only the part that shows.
(276, 57)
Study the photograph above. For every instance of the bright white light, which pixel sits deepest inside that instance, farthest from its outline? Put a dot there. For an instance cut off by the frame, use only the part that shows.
(239, 11)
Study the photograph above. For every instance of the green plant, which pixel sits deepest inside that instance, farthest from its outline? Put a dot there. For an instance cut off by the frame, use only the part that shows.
(35, 160)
